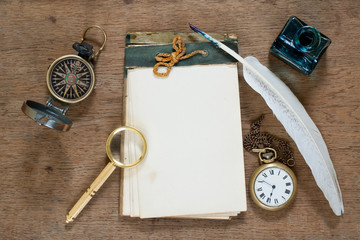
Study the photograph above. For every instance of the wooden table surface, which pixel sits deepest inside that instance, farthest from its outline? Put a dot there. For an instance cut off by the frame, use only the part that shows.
(43, 172)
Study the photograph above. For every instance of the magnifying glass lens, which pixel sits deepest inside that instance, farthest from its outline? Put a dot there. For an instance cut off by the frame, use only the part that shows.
(126, 147)
(116, 147)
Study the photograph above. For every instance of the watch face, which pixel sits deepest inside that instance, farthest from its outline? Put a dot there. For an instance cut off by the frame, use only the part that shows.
(70, 79)
(273, 186)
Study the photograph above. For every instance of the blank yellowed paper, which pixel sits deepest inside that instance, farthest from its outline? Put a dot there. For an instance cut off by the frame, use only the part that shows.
(194, 167)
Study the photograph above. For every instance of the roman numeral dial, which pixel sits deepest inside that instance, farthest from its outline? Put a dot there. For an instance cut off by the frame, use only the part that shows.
(70, 79)
(273, 186)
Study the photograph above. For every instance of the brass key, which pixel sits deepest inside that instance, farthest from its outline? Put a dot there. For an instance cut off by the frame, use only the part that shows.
(106, 172)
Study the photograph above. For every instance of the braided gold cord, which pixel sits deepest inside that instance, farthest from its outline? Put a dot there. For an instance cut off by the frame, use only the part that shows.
(170, 59)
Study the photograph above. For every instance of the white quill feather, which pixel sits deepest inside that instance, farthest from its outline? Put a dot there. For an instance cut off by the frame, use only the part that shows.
(298, 124)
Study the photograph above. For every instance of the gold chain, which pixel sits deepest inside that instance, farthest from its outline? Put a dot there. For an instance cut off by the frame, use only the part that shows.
(258, 140)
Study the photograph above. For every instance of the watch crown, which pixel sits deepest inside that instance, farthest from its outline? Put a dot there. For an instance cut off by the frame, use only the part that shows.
(266, 155)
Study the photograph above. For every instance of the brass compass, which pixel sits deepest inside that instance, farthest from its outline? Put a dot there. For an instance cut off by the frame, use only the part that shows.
(70, 79)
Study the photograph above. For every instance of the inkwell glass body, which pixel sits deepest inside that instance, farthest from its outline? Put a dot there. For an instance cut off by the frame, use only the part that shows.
(300, 45)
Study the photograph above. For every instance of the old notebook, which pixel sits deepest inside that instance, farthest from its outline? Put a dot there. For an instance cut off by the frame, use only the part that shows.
(194, 166)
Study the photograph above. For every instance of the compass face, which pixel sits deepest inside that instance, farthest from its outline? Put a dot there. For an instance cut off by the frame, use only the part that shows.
(70, 79)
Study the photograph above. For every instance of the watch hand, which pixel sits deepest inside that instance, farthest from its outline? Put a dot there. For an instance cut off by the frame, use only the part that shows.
(273, 187)
(265, 182)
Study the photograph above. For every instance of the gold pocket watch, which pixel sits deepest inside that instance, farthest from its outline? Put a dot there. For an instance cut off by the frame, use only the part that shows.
(273, 185)
(70, 79)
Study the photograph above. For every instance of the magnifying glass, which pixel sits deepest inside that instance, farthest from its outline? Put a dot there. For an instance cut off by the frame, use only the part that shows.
(112, 147)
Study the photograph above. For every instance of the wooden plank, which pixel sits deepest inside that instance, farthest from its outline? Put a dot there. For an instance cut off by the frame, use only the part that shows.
(43, 172)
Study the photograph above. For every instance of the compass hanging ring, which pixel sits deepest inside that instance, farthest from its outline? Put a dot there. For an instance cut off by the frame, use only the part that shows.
(101, 29)
(70, 79)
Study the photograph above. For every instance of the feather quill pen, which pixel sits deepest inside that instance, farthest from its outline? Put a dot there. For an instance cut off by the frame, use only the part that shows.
(293, 116)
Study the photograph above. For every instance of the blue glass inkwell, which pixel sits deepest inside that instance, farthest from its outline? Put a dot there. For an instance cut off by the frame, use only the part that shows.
(300, 45)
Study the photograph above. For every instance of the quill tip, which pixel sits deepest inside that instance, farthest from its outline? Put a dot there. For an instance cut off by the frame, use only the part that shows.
(195, 29)
(208, 37)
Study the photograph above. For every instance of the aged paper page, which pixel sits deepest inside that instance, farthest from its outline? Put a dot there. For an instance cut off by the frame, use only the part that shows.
(191, 120)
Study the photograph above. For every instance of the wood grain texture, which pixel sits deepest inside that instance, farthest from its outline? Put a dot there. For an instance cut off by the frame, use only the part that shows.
(44, 172)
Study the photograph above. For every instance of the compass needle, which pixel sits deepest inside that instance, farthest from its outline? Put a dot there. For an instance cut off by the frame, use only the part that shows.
(74, 87)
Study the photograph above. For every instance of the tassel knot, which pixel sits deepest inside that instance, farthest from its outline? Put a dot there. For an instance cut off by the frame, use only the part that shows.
(170, 59)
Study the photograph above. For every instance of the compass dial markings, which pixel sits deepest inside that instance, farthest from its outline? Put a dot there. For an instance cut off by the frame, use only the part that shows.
(79, 75)
(63, 75)
(59, 67)
(70, 79)
(82, 90)
(60, 83)
(81, 83)
(81, 68)
(66, 89)
(57, 79)
(60, 89)
(67, 68)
